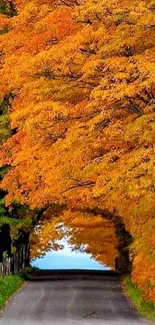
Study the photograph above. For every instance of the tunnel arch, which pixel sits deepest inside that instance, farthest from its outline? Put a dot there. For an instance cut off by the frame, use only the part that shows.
(95, 232)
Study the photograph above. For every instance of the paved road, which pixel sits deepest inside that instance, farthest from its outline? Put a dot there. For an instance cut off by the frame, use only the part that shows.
(79, 298)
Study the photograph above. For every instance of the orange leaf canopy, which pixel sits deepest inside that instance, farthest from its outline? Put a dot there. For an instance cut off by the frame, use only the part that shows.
(81, 74)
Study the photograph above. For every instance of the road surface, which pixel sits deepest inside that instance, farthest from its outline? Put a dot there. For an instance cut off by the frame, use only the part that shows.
(65, 298)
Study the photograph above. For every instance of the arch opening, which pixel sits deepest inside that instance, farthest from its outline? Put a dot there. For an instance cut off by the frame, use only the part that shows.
(74, 239)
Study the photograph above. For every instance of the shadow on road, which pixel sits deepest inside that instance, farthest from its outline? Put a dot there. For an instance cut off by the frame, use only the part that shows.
(60, 275)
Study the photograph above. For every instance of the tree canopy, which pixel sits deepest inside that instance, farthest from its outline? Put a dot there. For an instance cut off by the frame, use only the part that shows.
(81, 79)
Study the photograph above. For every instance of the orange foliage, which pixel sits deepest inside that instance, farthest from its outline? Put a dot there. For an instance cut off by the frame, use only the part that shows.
(84, 232)
(82, 77)
(91, 234)
(45, 238)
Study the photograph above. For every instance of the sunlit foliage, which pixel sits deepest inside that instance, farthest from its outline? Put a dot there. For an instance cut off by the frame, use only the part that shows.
(84, 232)
(81, 75)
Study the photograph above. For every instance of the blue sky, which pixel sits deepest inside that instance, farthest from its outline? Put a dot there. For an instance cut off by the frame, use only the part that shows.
(66, 259)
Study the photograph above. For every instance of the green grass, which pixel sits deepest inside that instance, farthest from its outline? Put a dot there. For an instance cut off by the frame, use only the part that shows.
(145, 308)
(11, 284)
(8, 286)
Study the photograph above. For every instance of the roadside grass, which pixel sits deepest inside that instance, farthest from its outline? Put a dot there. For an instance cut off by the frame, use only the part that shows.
(10, 284)
(144, 307)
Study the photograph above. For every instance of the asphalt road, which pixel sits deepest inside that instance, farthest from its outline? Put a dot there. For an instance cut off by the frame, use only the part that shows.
(80, 298)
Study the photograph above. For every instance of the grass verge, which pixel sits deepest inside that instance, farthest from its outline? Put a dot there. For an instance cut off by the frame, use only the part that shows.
(145, 308)
(8, 286)
(11, 284)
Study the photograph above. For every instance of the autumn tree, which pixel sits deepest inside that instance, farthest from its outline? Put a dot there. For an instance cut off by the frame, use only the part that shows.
(82, 82)
(15, 220)
(84, 232)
